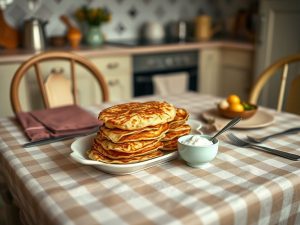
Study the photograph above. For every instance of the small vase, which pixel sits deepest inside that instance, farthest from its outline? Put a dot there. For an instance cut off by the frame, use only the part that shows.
(94, 36)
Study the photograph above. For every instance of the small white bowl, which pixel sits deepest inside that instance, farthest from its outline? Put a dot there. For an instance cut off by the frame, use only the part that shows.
(197, 156)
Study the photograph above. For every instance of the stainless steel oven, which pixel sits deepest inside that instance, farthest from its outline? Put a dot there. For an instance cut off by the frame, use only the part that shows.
(147, 65)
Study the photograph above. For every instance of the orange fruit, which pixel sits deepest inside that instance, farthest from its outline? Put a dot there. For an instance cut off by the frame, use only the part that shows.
(233, 99)
(236, 107)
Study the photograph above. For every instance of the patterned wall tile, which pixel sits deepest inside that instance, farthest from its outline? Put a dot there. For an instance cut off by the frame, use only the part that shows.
(119, 1)
(128, 16)
(147, 1)
(44, 12)
(19, 14)
(120, 28)
(133, 12)
(160, 12)
(58, 1)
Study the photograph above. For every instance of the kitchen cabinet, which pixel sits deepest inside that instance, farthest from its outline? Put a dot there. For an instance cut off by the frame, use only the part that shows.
(223, 67)
(7, 72)
(226, 70)
(88, 91)
(236, 73)
(117, 71)
(278, 36)
(209, 70)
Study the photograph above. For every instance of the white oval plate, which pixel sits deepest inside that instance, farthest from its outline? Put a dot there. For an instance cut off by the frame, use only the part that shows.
(81, 145)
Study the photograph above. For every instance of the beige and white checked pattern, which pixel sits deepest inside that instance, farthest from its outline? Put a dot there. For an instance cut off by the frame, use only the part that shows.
(241, 186)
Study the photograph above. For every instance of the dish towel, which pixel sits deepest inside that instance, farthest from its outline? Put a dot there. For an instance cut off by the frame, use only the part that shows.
(170, 83)
(57, 122)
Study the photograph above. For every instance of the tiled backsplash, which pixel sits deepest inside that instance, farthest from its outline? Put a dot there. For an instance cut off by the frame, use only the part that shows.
(127, 15)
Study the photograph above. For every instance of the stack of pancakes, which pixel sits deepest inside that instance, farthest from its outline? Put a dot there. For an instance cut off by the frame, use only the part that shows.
(135, 132)
(177, 128)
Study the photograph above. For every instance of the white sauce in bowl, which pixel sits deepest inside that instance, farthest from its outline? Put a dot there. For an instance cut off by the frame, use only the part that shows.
(197, 140)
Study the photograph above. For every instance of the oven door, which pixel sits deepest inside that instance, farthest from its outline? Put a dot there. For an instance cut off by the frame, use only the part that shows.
(143, 84)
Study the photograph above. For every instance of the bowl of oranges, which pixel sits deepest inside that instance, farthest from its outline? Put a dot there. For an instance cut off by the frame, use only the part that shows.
(232, 107)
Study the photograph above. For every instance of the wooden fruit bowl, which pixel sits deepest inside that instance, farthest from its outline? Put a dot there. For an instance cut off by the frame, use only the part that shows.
(244, 115)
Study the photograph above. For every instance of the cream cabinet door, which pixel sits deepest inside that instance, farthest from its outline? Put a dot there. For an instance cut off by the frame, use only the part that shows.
(225, 70)
(278, 36)
(236, 73)
(29, 92)
(88, 92)
(7, 72)
(209, 70)
(117, 71)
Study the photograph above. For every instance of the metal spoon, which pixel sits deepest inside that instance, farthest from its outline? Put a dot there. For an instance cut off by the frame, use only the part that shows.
(228, 126)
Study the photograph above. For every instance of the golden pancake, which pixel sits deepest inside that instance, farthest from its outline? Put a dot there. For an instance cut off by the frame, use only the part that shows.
(128, 147)
(174, 124)
(123, 155)
(181, 117)
(181, 114)
(178, 132)
(180, 128)
(116, 134)
(95, 155)
(137, 115)
(144, 135)
(170, 145)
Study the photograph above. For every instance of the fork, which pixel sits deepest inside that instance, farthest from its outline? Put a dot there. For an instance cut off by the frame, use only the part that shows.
(242, 143)
(260, 140)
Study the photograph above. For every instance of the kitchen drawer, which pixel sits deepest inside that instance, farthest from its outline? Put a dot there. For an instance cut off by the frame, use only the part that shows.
(114, 65)
(237, 58)
(117, 72)
(120, 87)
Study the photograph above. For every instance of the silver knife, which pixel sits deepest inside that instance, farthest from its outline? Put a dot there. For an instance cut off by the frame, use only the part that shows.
(56, 139)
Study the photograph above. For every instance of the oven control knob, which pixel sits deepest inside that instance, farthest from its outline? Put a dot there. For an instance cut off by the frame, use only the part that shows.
(151, 63)
(169, 61)
(186, 60)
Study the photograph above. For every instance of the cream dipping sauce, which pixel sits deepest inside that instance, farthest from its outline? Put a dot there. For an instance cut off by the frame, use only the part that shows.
(197, 140)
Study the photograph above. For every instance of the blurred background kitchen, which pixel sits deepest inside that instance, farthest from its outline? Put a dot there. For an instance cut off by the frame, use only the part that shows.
(128, 16)
(221, 44)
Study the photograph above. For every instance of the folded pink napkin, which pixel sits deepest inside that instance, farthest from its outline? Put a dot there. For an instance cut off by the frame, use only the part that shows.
(56, 122)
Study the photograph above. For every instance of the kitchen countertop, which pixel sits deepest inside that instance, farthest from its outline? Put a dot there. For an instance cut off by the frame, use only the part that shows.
(20, 55)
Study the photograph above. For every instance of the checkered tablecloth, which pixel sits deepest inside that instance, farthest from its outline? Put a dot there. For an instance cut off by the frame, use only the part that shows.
(240, 186)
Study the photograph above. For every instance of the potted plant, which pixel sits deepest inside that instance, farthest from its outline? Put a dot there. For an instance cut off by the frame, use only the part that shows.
(94, 18)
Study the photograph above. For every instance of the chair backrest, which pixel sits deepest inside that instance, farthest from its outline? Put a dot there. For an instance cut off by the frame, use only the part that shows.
(58, 89)
(281, 65)
(293, 102)
(172, 83)
(35, 63)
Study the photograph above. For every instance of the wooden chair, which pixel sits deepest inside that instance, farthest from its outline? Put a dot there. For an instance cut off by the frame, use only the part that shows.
(293, 102)
(292, 95)
(51, 86)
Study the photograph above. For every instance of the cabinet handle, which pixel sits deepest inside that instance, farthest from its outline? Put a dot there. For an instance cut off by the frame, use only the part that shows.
(112, 65)
(113, 82)
(57, 70)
